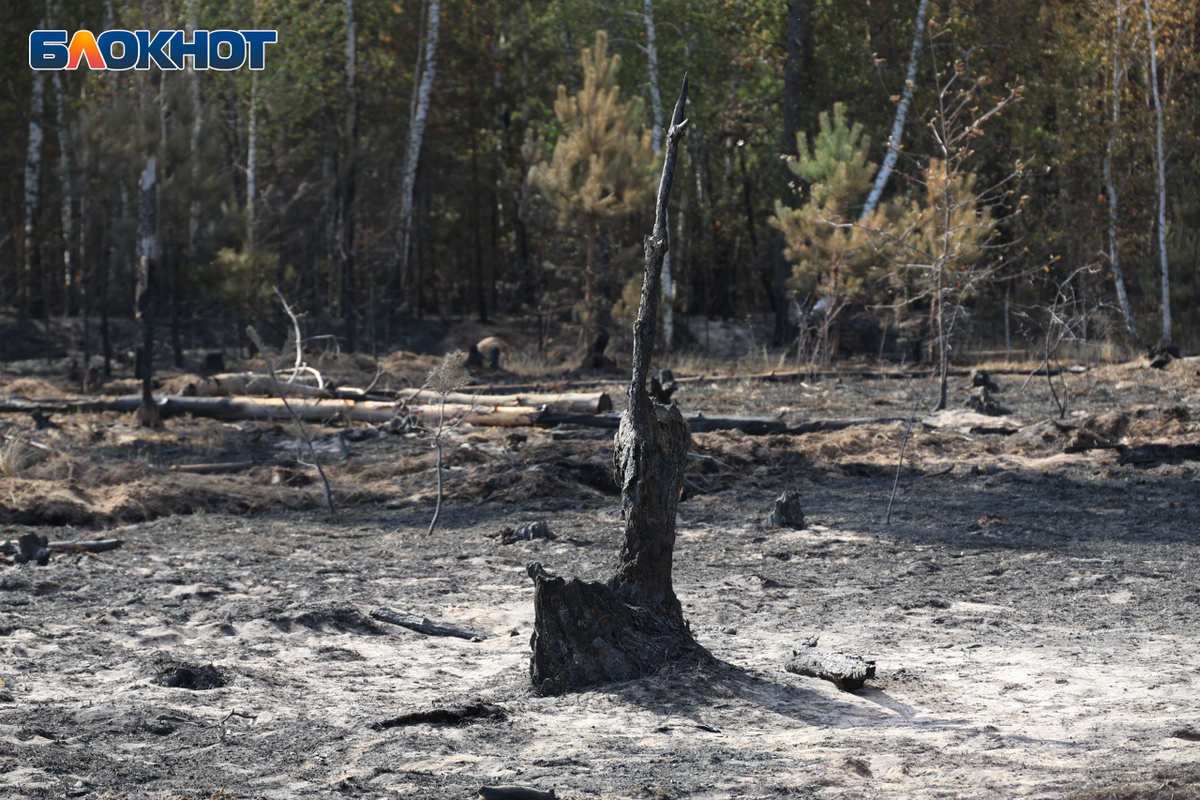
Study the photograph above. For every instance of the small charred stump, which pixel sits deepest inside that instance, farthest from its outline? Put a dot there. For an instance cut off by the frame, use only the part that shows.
(32, 549)
(788, 512)
(591, 633)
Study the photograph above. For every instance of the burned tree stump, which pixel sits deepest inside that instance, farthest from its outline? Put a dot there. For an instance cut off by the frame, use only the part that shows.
(788, 512)
(591, 633)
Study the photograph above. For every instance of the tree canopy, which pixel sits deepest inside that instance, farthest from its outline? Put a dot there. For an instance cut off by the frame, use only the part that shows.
(530, 184)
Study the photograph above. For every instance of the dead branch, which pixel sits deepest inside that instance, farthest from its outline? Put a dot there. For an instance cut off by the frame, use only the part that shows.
(422, 625)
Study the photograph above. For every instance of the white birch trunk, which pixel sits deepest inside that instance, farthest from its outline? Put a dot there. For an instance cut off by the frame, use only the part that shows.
(147, 253)
(33, 174)
(64, 177)
(1161, 167)
(668, 286)
(412, 151)
(893, 148)
(1110, 188)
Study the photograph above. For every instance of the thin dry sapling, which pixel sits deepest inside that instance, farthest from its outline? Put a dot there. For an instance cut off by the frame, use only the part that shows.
(446, 378)
(272, 368)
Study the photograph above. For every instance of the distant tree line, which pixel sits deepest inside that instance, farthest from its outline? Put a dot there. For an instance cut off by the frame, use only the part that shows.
(913, 163)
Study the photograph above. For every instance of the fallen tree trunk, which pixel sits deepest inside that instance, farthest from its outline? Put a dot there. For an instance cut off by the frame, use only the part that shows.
(270, 408)
(226, 467)
(754, 426)
(558, 402)
(772, 376)
(248, 384)
(252, 384)
(10, 547)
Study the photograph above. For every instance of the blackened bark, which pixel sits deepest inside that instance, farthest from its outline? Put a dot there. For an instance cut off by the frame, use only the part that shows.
(590, 633)
(795, 71)
(346, 248)
(147, 414)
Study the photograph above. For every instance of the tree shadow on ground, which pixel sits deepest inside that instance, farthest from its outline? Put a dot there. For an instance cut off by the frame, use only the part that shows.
(695, 688)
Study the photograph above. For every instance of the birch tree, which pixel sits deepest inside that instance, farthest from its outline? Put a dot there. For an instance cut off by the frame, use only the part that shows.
(147, 256)
(651, 50)
(64, 179)
(33, 175)
(427, 65)
(1110, 188)
(893, 146)
(1160, 159)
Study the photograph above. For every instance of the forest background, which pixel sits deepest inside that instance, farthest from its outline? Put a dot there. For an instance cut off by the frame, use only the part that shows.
(448, 159)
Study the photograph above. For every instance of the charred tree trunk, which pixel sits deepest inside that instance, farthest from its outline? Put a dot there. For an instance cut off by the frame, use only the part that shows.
(592, 633)
(797, 72)
(346, 249)
(147, 414)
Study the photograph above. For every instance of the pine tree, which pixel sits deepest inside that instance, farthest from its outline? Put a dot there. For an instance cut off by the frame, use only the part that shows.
(602, 167)
(830, 255)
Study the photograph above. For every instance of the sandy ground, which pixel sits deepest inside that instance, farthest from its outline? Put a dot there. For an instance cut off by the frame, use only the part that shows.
(1031, 607)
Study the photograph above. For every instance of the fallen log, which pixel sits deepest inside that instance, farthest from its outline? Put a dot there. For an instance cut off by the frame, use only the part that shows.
(553, 419)
(253, 384)
(9, 547)
(226, 467)
(249, 384)
(754, 426)
(867, 374)
(560, 402)
(823, 425)
(270, 408)
(1155, 453)
(422, 625)
(845, 671)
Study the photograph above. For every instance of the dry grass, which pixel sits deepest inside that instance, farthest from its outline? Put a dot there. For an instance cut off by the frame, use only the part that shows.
(759, 360)
(33, 388)
(14, 456)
